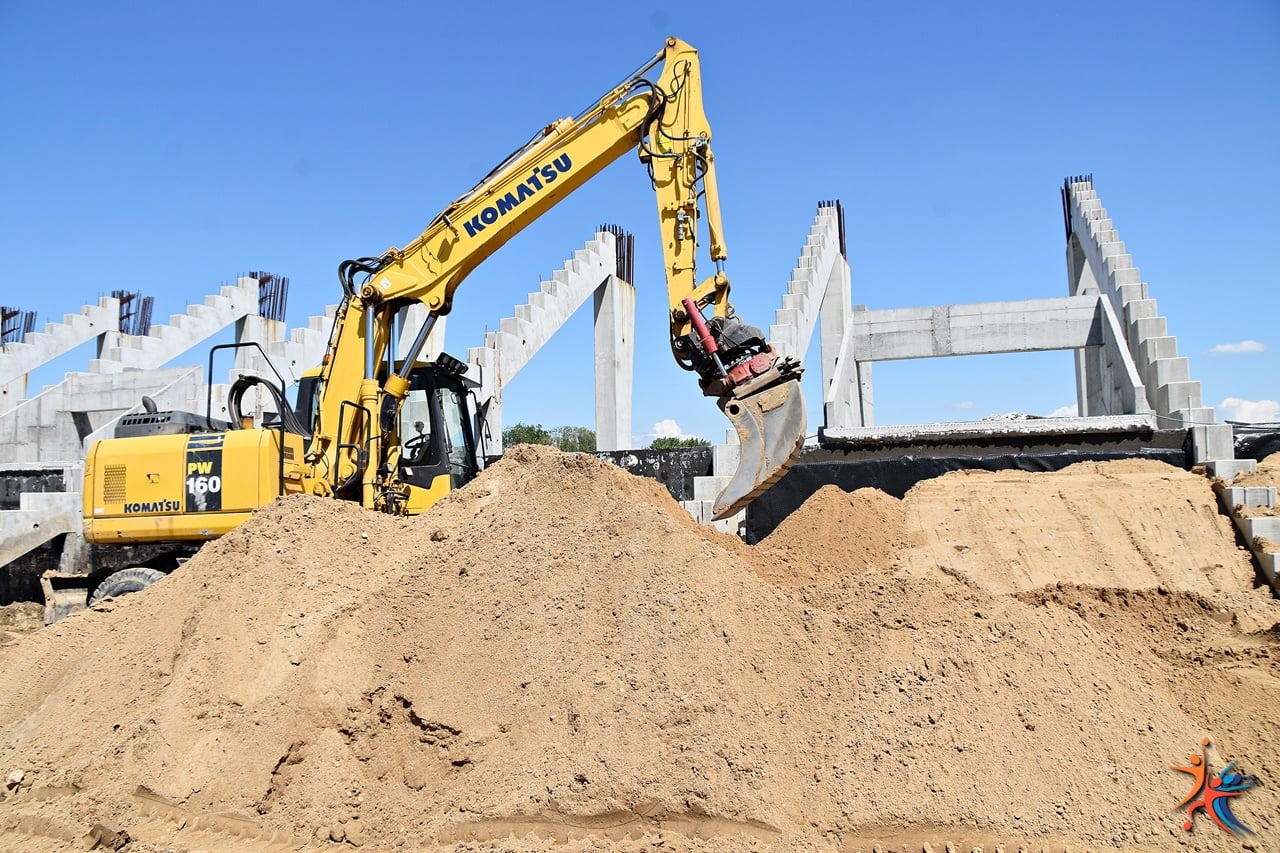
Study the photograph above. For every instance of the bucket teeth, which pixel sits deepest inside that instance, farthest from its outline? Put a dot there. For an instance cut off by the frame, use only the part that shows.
(770, 425)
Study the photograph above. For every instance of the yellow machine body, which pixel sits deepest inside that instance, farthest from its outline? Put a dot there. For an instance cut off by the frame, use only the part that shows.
(186, 487)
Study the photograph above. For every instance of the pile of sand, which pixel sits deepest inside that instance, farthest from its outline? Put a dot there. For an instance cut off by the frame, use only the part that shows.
(1267, 473)
(833, 534)
(557, 657)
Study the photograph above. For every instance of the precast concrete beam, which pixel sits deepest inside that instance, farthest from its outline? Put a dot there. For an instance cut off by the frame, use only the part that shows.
(1041, 427)
(1031, 325)
(40, 517)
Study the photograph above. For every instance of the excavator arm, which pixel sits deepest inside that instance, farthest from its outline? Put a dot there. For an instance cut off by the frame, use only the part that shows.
(658, 112)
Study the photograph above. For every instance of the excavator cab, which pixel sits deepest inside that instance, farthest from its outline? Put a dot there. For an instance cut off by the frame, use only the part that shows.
(434, 448)
(436, 438)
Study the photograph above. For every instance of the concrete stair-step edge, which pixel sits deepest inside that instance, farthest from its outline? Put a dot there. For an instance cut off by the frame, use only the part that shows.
(1136, 292)
(21, 357)
(1211, 441)
(1149, 327)
(516, 349)
(150, 344)
(1174, 396)
(519, 329)
(1118, 277)
(804, 310)
(104, 366)
(182, 333)
(1260, 527)
(1228, 469)
(1260, 533)
(480, 367)
(709, 488)
(1113, 253)
(310, 339)
(724, 463)
(1152, 349)
(794, 322)
(1251, 497)
(292, 358)
(132, 358)
(702, 513)
(40, 517)
(519, 337)
(1263, 538)
(1163, 371)
(323, 322)
(1269, 562)
(201, 317)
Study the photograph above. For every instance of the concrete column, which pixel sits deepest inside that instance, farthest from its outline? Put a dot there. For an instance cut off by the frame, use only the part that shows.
(835, 318)
(866, 400)
(615, 321)
(13, 393)
(866, 408)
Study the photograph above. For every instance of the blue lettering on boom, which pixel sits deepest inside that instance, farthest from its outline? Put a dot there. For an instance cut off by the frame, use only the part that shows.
(537, 180)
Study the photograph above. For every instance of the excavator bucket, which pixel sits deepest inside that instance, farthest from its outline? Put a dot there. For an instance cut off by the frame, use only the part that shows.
(771, 426)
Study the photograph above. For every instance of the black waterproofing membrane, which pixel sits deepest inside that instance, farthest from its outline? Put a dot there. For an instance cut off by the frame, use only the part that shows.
(1255, 441)
(895, 468)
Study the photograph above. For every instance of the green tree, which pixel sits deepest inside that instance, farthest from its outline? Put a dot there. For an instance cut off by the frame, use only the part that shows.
(670, 442)
(572, 439)
(523, 433)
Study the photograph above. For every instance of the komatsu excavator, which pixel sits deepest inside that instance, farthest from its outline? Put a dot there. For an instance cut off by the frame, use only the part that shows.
(394, 433)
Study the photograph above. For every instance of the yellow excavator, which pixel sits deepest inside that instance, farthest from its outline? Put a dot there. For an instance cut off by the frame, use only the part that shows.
(395, 434)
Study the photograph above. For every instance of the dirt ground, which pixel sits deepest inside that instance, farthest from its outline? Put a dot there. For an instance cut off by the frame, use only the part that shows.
(557, 658)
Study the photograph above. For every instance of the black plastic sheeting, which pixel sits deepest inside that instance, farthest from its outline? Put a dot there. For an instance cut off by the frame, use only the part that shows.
(13, 484)
(674, 468)
(1255, 441)
(896, 475)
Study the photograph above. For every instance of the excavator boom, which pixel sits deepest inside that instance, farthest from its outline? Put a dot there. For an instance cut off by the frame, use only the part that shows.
(657, 112)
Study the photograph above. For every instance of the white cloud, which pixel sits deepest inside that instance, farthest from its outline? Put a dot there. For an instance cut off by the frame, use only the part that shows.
(668, 429)
(1249, 411)
(662, 429)
(963, 404)
(1065, 411)
(1242, 346)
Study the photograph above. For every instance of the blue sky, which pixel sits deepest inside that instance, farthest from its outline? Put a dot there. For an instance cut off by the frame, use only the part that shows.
(168, 147)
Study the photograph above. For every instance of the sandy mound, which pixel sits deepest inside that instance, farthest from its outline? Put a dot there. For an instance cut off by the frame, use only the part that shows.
(18, 620)
(1125, 524)
(1266, 474)
(833, 534)
(557, 658)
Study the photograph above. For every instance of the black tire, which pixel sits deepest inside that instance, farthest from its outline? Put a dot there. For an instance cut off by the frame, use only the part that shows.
(124, 582)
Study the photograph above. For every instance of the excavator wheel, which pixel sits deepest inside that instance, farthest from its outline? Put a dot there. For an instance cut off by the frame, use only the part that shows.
(124, 582)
